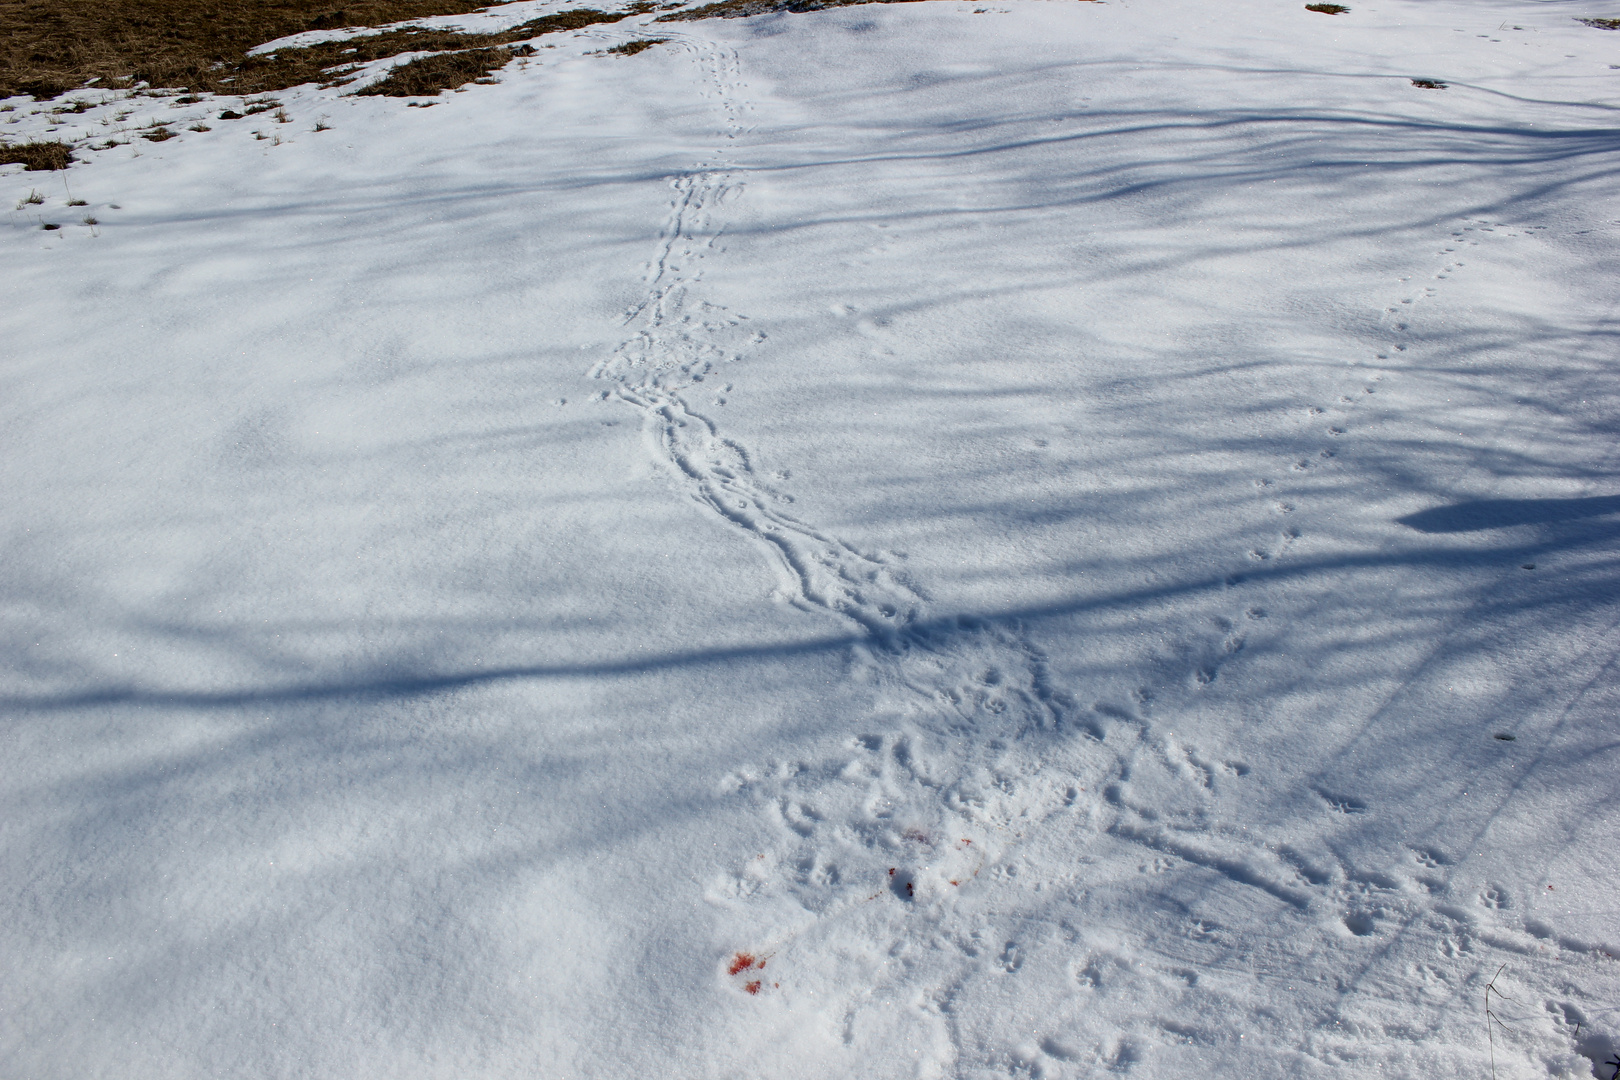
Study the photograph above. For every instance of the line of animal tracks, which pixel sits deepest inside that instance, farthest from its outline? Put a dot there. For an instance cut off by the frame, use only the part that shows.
(972, 751)
(943, 679)
(951, 770)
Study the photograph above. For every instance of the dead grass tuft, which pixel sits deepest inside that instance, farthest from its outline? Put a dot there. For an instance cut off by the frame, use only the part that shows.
(428, 75)
(1602, 24)
(1429, 84)
(742, 9)
(37, 156)
(1327, 9)
(630, 48)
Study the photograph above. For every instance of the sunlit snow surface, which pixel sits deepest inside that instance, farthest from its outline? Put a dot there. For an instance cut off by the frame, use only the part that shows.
(1015, 518)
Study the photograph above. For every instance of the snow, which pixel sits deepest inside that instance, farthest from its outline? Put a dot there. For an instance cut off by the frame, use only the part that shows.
(1006, 526)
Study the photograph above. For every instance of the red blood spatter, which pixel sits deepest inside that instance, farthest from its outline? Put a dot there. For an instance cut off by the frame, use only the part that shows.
(965, 840)
(760, 965)
(910, 889)
(753, 987)
(891, 871)
(741, 962)
(956, 883)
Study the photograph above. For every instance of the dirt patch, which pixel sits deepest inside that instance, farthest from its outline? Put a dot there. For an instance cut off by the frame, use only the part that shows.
(447, 70)
(52, 46)
(1327, 9)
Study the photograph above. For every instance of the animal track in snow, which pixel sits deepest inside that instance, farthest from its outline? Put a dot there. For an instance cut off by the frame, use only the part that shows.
(928, 799)
(678, 342)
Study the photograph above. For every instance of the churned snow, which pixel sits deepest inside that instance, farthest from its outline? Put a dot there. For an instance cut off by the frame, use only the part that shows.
(945, 540)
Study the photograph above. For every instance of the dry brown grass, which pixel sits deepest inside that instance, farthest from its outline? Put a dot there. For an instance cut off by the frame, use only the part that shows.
(428, 75)
(630, 48)
(51, 46)
(327, 61)
(37, 156)
(742, 9)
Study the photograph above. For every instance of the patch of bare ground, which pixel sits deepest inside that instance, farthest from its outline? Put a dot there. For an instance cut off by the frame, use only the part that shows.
(52, 46)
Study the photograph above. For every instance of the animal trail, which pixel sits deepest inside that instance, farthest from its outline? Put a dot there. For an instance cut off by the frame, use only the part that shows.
(924, 804)
(679, 342)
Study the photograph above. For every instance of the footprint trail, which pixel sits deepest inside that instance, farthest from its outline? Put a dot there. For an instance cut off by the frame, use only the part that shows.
(913, 823)
(895, 799)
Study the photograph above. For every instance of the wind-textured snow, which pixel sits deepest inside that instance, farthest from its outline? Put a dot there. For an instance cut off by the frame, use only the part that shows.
(1031, 539)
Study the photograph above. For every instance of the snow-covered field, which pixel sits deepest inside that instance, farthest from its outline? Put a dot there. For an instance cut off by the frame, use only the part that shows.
(944, 540)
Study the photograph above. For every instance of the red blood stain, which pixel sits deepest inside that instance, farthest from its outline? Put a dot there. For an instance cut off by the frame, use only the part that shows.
(891, 871)
(741, 962)
(760, 965)
(956, 883)
(910, 889)
(753, 987)
(965, 840)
